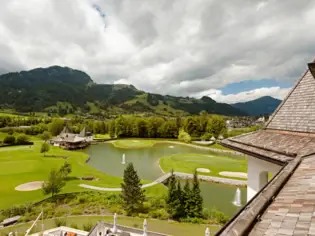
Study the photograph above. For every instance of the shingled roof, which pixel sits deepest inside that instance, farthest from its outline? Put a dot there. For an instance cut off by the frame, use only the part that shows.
(286, 205)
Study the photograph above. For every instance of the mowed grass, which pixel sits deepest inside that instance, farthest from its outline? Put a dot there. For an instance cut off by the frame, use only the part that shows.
(101, 136)
(162, 226)
(23, 164)
(134, 143)
(189, 162)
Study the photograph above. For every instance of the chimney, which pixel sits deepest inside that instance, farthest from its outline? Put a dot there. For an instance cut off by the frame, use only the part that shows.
(311, 67)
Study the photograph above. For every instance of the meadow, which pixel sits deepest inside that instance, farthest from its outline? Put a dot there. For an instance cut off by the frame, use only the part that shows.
(22, 164)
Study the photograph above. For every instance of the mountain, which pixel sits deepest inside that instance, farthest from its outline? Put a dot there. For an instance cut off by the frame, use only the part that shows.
(64, 90)
(260, 106)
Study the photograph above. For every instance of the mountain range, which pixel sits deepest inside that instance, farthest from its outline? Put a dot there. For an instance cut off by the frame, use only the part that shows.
(64, 90)
(260, 106)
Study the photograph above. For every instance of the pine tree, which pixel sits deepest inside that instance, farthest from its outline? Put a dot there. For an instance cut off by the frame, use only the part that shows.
(197, 200)
(132, 194)
(171, 198)
(186, 198)
(180, 204)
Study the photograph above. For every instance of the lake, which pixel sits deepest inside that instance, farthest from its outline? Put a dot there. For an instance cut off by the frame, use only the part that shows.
(108, 159)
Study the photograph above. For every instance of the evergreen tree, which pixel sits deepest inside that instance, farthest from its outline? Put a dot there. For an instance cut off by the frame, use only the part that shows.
(172, 195)
(132, 194)
(186, 198)
(180, 204)
(196, 198)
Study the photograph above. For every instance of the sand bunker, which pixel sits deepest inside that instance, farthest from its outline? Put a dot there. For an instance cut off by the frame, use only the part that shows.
(171, 146)
(136, 141)
(203, 170)
(31, 186)
(234, 174)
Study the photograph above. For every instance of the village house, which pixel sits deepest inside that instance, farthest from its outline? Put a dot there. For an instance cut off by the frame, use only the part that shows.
(284, 149)
(71, 141)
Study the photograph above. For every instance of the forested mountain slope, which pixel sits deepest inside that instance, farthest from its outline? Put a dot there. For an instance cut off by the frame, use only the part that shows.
(64, 90)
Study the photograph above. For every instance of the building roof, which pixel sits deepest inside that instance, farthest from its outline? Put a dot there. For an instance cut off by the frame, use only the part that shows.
(286, 205)
(297, 111)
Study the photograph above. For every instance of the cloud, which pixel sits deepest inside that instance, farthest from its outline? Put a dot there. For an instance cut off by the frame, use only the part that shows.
(178, 47)
(218, 96)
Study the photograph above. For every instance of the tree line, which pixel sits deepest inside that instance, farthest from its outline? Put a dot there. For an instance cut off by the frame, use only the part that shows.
(202, 126)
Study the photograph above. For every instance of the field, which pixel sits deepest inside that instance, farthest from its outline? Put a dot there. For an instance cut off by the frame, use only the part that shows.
(23, 164)
(216, 163)
(162, 226)
(101, 136)
(134, 143)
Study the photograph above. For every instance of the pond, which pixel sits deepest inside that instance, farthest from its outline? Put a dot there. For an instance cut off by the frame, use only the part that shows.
(108, 159)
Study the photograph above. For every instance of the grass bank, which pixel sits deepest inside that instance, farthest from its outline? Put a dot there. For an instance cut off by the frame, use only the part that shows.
(188, 162)
(22, 164)
(134, 143)
(162, 226)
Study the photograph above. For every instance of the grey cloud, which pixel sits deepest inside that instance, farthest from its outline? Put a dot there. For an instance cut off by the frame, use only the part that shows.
(178, 47)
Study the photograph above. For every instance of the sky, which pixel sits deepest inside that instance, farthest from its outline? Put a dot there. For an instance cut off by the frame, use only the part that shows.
(232, 51)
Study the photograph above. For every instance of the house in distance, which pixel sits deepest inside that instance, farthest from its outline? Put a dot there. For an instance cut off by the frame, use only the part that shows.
(71, 141)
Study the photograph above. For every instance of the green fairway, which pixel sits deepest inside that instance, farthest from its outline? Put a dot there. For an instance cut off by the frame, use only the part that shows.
(134, 143)
(22, 164)
(215, 162)
(162, 226)
(101, 136)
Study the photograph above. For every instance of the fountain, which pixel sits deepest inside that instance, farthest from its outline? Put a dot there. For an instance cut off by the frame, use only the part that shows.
(237, 199)
(123, 159)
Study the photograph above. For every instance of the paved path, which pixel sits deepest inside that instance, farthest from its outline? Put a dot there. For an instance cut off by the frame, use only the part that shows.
(178, 174)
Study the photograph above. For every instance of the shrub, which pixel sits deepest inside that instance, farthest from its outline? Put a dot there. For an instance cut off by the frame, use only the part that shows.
(221, 218)
(9, 139)
(183, 136)
(60, 222)
(192, 220)
(160, 214)
(135, 225)
(206, 136)
(22, 139)
(74, 225)
(76, 212)
(87, 226)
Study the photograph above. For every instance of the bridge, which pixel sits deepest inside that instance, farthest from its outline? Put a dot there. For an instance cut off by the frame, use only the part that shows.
(180, 175)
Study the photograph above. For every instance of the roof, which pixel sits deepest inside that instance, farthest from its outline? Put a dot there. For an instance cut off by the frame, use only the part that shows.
(293, 210)
(286, 205)
(11, 220)
(297, 111)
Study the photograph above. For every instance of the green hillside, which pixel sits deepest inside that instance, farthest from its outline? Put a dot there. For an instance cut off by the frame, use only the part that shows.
(63, 90)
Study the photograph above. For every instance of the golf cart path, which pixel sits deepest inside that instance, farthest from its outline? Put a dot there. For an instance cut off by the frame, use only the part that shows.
(178, 174)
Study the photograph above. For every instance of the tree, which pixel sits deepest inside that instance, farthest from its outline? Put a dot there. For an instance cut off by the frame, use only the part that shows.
(196, 198)
(172, 195)
(132, 193)
(54, 184)
(9, 139)
(44, 148)
(186, 199)
(45, 136)
(22, 139)
(65, 169)
(216, 125)
(153, 125)
(120, 127)
(56, 126)
(112, 129)
(183, 136)
(179, 204)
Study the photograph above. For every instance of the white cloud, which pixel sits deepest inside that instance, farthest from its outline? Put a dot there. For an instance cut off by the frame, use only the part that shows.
(178, 47)
(218, 96)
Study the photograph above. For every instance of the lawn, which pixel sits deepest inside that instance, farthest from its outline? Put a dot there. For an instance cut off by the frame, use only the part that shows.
(101, 136)
(219, 146)
(188, 162)
(23, 164)
(162, 226)
(134, 143)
